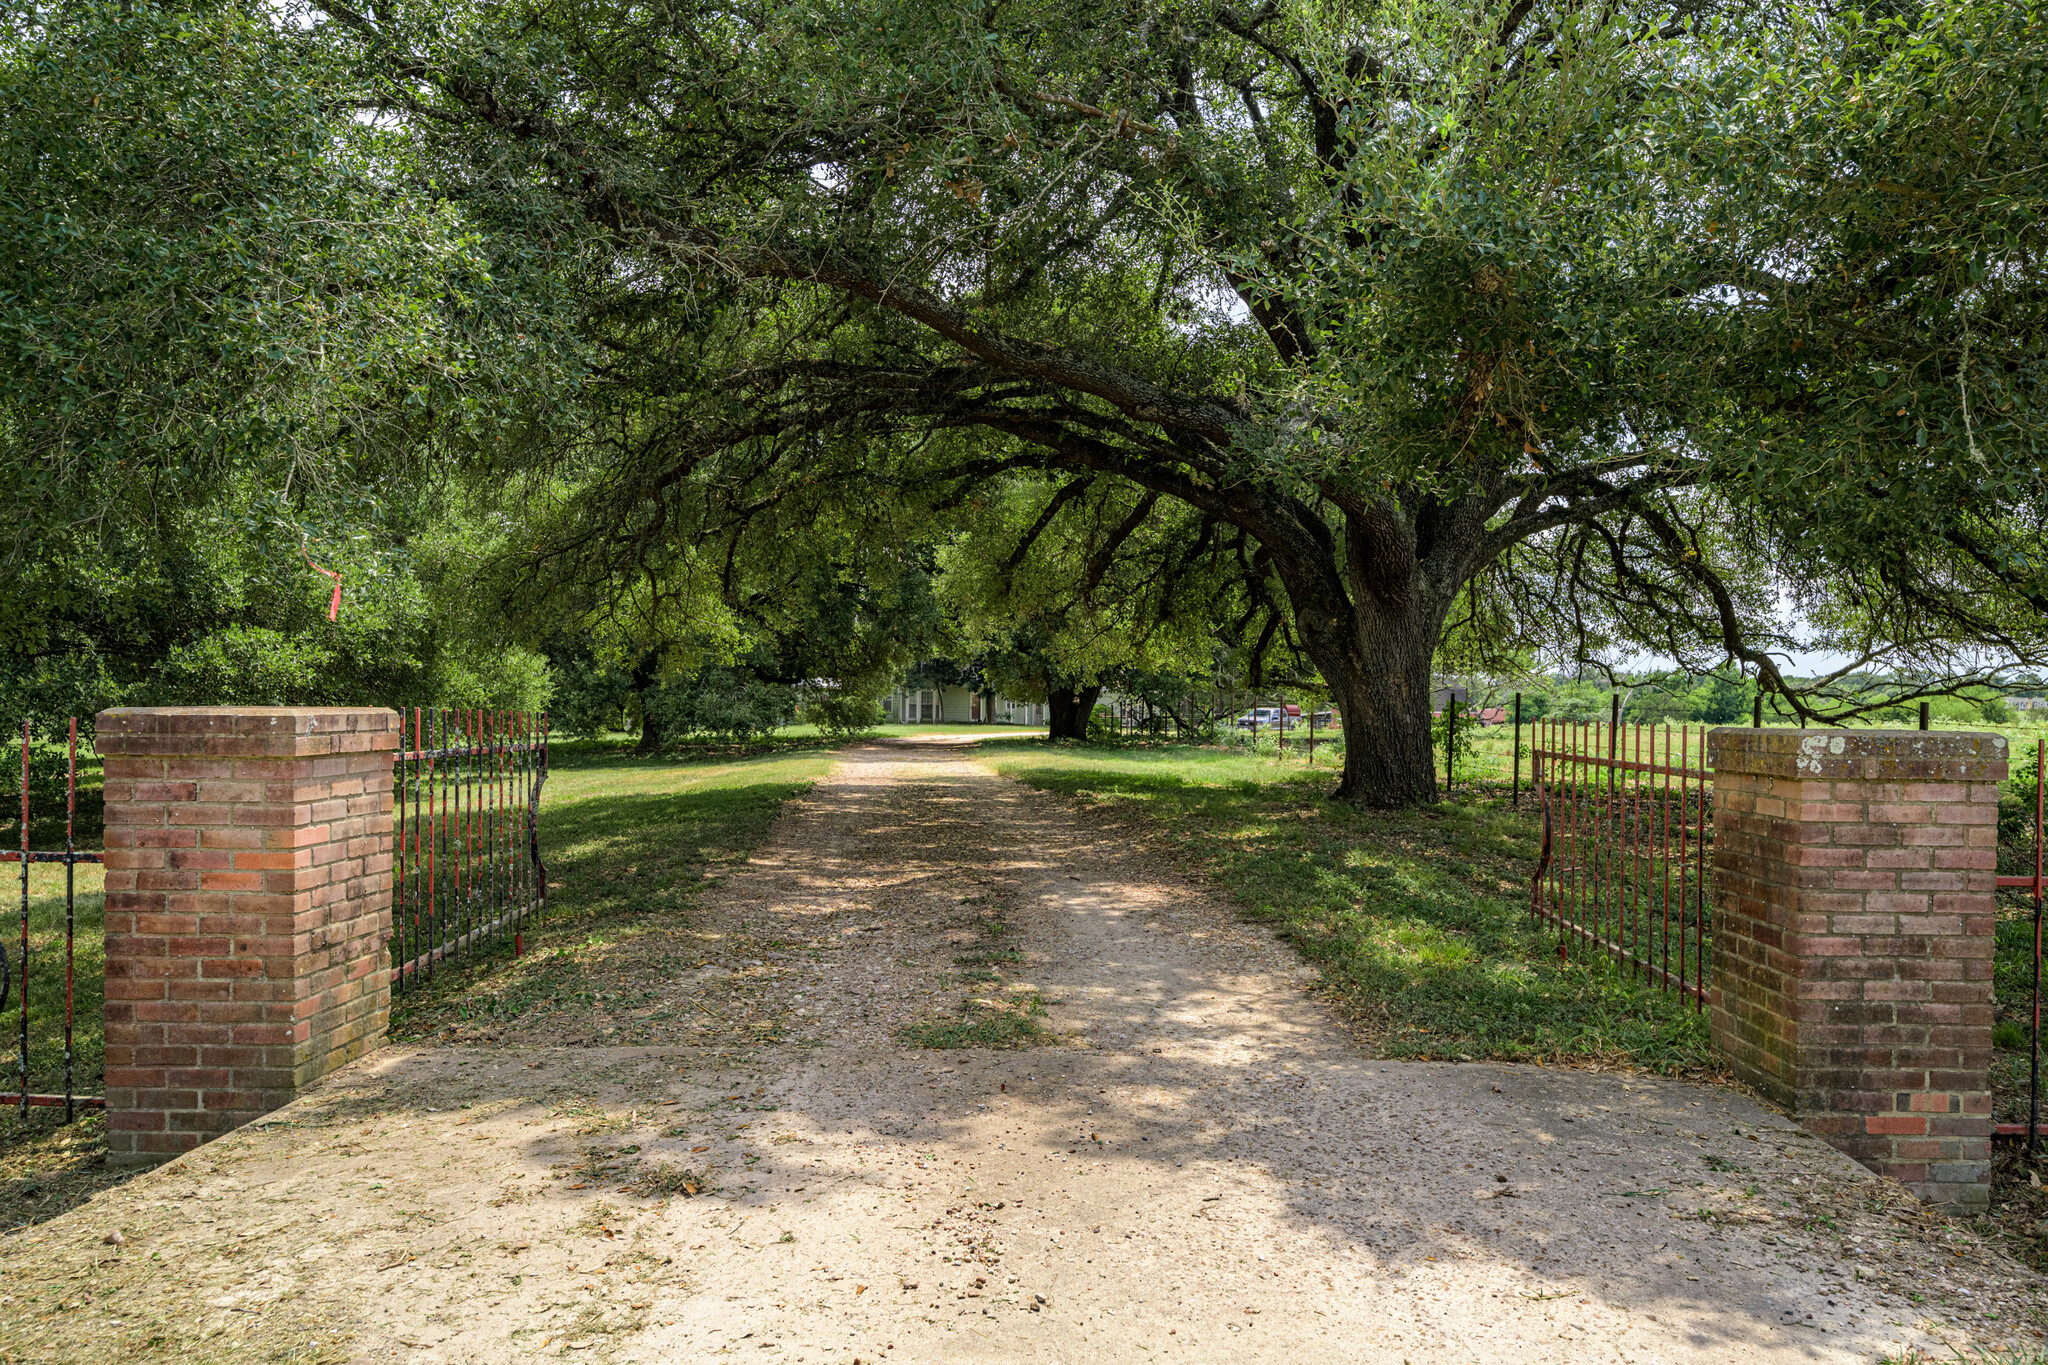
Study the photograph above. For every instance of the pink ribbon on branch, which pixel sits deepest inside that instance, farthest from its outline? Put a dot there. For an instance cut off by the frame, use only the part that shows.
(334, 603)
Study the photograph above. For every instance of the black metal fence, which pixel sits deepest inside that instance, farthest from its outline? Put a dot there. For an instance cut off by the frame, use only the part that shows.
(15, 977)
(466, 864)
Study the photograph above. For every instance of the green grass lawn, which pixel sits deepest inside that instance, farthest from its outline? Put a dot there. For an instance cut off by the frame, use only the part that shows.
(1418, 919)
(628, 842)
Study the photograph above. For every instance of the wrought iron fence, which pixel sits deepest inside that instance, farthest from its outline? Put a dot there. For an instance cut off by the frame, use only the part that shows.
(466, 865)
(1627, 820)
(2020, 870)
(467, 872)
(14, 977)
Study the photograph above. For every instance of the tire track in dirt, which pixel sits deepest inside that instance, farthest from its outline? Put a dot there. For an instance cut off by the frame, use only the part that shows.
(1200, 1165)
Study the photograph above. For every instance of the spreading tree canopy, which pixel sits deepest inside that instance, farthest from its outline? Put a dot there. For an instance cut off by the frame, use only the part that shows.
(1376, 318)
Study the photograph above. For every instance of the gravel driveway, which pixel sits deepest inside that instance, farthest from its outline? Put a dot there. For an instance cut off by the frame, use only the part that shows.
(1197, 1163)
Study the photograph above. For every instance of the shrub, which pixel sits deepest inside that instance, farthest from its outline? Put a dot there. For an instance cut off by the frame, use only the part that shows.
(240, 666)
(589, 698)
(723, 703)
(842, 715)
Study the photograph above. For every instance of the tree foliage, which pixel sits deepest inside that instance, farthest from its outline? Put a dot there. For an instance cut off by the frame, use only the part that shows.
(1337, 339)
(1364, 317)
(235, 334)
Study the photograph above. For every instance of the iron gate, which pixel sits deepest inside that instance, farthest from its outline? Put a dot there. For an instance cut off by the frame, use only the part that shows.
(466, 865)
(1624, 869)
(14, 977)
(2031, 883)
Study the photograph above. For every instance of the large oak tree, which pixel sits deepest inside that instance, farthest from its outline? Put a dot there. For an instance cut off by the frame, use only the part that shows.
(1389, 312)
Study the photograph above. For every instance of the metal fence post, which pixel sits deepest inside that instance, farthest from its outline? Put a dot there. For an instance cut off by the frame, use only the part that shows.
(2034, 1037)
(1450, 742)
(1515, 783)
(24, 920)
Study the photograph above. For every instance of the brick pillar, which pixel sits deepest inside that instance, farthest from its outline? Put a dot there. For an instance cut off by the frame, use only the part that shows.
(248, 911)
(1853, 879)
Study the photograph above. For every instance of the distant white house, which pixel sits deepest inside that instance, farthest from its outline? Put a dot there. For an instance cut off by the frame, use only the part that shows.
(960, 706)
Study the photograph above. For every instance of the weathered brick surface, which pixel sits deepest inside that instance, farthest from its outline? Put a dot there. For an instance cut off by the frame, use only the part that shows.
(248, 858)
(1853, 880)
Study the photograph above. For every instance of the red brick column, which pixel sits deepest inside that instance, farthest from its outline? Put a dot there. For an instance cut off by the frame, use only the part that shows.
(1853, 879)
(248, 911)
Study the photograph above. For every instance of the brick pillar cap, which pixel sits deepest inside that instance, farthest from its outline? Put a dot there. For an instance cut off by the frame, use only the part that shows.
(246, 731)
(1871, 755)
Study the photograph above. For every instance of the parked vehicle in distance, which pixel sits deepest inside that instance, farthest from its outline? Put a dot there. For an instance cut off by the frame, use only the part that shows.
(1270, 717)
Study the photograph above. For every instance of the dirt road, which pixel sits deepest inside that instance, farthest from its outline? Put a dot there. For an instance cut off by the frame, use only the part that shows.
(1196, 1164)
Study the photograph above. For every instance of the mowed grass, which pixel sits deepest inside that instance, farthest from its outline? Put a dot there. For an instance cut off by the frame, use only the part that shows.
(1418, 920)
(628, 843)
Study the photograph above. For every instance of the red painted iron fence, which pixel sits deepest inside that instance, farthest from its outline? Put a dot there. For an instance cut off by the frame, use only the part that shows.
(467, 871)
(14, 977)
(1625, 864)
(2020, 838)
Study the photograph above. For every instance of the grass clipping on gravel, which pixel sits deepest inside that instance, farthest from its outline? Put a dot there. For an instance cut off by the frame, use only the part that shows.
(1418, 919)
(995, 1013)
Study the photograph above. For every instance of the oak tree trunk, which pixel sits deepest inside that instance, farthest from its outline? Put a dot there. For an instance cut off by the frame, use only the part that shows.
(1381, 679)
(652, 733)
(1071, 707)
(1374, 640)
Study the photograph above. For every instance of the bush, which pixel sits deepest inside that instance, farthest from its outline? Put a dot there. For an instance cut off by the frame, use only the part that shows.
(48, 690)
(508, 679)
(722, 703)
(843, 716)
(589, 698)
(240, 666)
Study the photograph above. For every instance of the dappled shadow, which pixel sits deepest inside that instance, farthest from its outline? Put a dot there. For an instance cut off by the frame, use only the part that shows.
(1418, 920)
(49, 1167)
(1205, 1151)
(625, 867)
